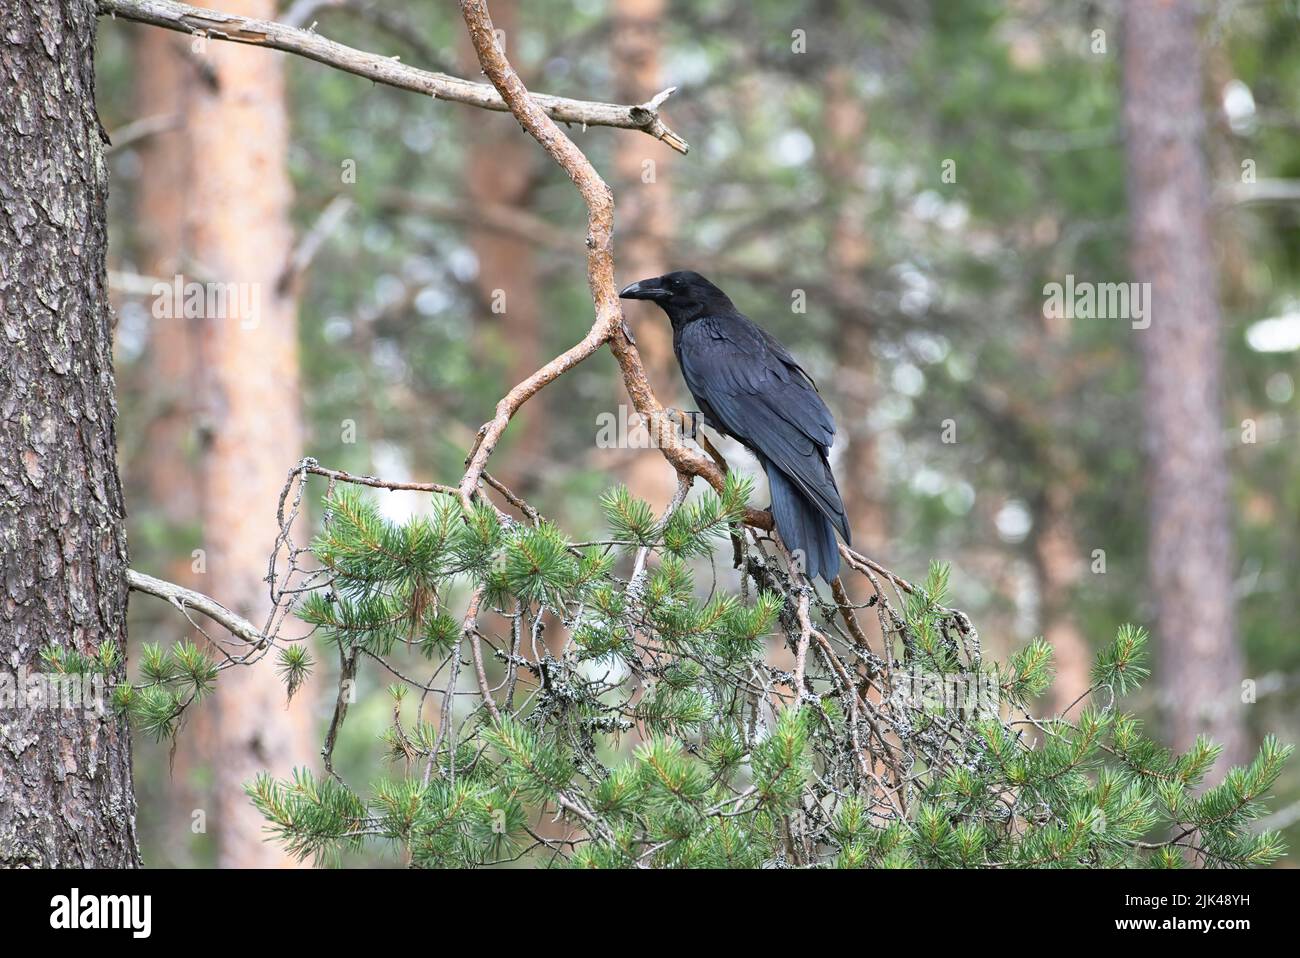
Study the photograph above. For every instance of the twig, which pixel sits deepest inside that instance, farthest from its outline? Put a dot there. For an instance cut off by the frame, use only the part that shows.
(799, 581)
(805, 636)
(500, 218)
(846, 611)
(311, 466)
(347, 675)
(469, 629)
(532, 514)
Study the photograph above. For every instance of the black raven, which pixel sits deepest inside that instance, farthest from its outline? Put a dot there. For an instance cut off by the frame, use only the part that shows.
(748, 386)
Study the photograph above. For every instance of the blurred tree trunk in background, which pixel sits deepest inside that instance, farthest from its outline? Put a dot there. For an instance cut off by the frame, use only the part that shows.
(239, 222)
(66, 796)
(1190, 549)
(500, 170)
(1057, 564)
(1054, 543)
(163, 485)
(849, 254)
(162, 89)
(645, 218)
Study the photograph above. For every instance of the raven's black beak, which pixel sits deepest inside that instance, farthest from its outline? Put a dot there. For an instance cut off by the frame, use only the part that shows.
(650, 289)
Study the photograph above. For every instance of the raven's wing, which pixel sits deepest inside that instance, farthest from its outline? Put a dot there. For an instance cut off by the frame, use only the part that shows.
(757, 393)
(778, 347)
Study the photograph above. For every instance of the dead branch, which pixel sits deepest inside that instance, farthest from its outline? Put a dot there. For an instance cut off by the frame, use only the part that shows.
(141, 129)
(609, 325)
(503, 218)
(183, 599)
(469, 629)
(311, 466)
(388, 70)
(309, 243)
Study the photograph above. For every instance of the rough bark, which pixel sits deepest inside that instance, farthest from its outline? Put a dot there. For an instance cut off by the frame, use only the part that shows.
(239, 222)
(1190, 549)
(66, 796)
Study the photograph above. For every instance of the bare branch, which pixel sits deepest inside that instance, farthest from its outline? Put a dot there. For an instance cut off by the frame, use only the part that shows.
(316, 469)
(608, 326)
(469, 628)
(142, 129)
(387, 70)
(846, 611)
(134, 284)
(504, 218)
(183, 599)
(302, 13)
(309, 243)
(1262, 191)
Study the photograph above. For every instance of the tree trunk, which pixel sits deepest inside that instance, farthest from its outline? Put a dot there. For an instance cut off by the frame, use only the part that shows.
(1190, 549)
(163, 479)
(168, 487)
(848, 255)
(66, 796)
(239, 222)
(1058, 561)
(1057, 566)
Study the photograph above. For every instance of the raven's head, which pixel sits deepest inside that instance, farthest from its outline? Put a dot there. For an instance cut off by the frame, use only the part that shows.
(683, 295)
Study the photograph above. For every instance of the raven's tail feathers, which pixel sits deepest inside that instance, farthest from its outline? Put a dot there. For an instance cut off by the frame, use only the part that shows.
(804, 530)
